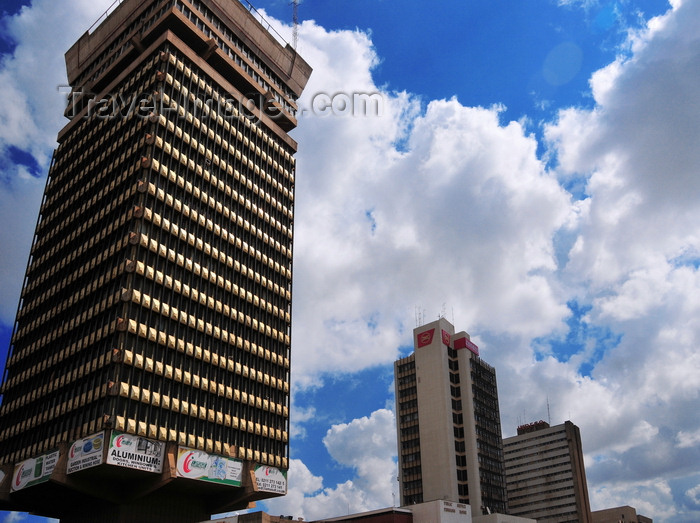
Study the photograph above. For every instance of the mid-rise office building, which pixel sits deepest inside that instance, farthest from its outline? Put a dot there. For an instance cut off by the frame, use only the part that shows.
(545, 473)
(625, 514)
(148, 375)
(448, 423)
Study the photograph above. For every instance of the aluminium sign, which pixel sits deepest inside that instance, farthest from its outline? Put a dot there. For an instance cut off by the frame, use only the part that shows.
(135, 452)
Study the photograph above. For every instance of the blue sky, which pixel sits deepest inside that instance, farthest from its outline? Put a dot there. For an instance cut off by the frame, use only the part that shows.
(533, 176)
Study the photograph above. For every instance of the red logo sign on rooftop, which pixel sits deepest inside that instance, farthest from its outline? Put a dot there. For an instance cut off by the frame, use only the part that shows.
(446, 338)
(425, 338)
(464, 343)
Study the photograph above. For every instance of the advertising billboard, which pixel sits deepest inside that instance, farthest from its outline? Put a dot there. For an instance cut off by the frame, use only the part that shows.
(135, 452)
(33, 471)
(86, 453)
(271, 479)
(197, 464)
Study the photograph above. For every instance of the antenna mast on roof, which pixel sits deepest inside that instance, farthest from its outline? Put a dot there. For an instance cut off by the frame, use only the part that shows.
(549, 418)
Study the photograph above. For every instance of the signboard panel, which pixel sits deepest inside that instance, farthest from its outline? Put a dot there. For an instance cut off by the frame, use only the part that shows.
(196, 464)
(135, 452)
(464, 343)
(445, 338)
(271, 479)
(86, 453)
(425, 338)
(33, 471)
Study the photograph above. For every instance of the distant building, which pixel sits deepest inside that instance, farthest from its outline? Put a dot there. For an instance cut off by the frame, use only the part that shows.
(438, 511)
(384, 515)
(624, 514)
(148, 374)
(545, 474)
(259, 516)
(448, 423)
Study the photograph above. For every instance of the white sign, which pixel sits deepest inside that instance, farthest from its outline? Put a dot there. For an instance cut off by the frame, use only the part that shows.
(33, 471)
(135, 452)
(271, 479)
(86, 453)
(196, 464)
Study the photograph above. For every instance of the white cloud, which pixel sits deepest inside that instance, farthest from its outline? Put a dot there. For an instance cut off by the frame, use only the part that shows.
(364, 441)
(368, 446)
(298, 417)
(688, 439)
(31, 112)
(634, 256)
(463, 209)
(694, 494)
(643, 186)
(652, 499)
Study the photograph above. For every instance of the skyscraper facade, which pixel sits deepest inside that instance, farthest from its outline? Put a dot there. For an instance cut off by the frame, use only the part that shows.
(448, 422)
(149, 364)
(545, 473)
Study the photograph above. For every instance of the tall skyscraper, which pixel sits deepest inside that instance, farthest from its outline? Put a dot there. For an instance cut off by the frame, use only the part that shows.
(545, 473)
(448, 422)
(148, 375)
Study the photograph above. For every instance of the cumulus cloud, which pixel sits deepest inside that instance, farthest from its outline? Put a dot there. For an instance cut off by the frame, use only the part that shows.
(368, 446)
(32, 108)
(430, 206)
(298, 417)
(693, 495)
(688, 439)
(652, 499)
(636, 252)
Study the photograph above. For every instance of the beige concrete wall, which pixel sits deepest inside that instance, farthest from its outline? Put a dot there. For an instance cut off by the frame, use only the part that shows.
(434, 405)
(625, 514)
(526, 455)
(501, 518)
(441, 512)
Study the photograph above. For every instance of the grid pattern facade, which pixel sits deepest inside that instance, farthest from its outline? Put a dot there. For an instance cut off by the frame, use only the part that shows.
(157, 297)
(545, 474)
(408, 430)
(487, 419)
(448, 424)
